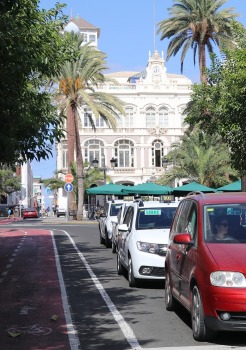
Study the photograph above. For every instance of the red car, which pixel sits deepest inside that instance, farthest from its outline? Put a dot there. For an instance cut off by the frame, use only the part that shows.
(30, 213)
(206, 262)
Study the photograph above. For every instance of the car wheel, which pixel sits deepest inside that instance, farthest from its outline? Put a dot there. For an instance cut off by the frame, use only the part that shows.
(101, 237)
(107, 240)
(200, 330)
(113, 246)
(133, 282)
(119, 265)
(170, 301)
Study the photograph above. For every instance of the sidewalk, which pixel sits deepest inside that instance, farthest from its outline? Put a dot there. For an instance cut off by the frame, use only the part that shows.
(49, 219)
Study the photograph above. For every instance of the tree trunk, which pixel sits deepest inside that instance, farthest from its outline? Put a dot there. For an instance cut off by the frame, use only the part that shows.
(70, 153)
(80, 168)
(243, 183)
(202, 63)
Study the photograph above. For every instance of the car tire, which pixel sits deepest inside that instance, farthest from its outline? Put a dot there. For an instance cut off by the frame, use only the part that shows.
(200, 331)
(107, 240)
(170, 301)
(119, 265)
(101, 237)
(133, 282)
(113, 246)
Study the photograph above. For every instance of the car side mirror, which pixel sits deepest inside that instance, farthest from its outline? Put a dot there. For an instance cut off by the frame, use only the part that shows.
(123, 227)
(183, 238)
(103, 215)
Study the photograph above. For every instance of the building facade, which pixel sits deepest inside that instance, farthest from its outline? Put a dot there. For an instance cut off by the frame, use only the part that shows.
(154, 101)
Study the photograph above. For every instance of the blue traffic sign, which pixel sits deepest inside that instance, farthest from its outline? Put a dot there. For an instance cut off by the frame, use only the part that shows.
(68, 187)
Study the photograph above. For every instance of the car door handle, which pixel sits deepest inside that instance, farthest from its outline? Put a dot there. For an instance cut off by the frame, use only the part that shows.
(178, 257)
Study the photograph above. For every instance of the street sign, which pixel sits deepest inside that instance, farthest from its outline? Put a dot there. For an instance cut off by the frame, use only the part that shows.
(69, 178)
(68, 187)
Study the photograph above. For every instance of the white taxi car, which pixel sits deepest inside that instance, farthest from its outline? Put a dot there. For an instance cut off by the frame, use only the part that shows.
(105, 221)
(143, 238)
(116, 221)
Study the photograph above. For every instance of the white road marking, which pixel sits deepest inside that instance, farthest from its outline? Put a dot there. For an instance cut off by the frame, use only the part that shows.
(72, 335)
(124, 326)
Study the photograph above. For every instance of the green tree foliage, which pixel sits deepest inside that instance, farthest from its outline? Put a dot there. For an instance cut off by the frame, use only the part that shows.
(220, 105)
(78, 96)
(197, 25)
(200, 157)
(8, 182)
(31, 52)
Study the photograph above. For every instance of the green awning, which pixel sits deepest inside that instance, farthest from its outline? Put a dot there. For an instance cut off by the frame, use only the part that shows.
(191, 187)
(148, 188)
(232, 187)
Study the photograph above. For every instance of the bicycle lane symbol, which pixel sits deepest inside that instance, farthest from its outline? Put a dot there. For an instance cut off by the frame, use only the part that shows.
(36, 329)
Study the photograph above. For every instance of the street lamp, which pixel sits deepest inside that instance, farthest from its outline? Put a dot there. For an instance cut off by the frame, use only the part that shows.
(165, 162)
(95, 164)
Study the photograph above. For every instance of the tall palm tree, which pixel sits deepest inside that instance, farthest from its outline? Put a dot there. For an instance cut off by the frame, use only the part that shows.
(197, 24)
(78, 80)
(202, 158)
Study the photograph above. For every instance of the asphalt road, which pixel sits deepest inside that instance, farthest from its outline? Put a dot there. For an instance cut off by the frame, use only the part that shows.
(105, 311)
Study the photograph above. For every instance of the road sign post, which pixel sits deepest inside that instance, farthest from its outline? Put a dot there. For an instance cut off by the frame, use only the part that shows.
(68, 187)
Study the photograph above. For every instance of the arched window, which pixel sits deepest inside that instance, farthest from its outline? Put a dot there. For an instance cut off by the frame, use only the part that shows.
(150, 117)
(163, 117)
(157, 153)
(94, 149)
(124, 153)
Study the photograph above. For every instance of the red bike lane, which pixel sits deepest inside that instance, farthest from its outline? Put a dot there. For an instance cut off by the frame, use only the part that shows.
(32, 308)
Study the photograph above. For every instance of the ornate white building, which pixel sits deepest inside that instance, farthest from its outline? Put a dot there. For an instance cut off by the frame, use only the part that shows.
(153, 101)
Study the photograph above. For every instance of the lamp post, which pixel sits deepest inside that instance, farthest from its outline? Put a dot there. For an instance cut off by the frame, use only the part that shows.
(95, 164)
(165, 162)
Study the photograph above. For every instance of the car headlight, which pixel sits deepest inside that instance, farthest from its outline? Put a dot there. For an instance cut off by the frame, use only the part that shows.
(152, 248)
(227, 279)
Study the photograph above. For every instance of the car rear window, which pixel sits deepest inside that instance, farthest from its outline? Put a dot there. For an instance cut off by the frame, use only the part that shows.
(154, 218)
(114, 209)
(233, 214)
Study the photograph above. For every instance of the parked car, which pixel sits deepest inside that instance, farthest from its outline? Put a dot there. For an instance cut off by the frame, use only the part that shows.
(60, 212)
(109, 212)
(206, 262)
(143, 239)
(30, 213)
(115, 222)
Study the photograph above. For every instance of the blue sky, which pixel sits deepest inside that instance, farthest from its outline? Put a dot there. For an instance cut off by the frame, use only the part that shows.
(127, 35)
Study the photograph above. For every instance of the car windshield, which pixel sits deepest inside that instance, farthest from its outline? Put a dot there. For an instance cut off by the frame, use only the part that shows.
(225, 223)
(154, 218)
(115, 209)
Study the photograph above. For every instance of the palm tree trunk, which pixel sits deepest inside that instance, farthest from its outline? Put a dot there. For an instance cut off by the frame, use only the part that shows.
(70, 136)
(70, 155)
(202, 63)
(80, 168)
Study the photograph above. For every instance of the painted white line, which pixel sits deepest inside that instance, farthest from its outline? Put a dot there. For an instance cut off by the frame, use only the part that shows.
(124, 326)
(72, 335)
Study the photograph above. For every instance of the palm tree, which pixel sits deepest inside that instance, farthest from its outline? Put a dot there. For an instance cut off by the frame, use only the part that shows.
(78, 80)
(202, 158)
(197, 24)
